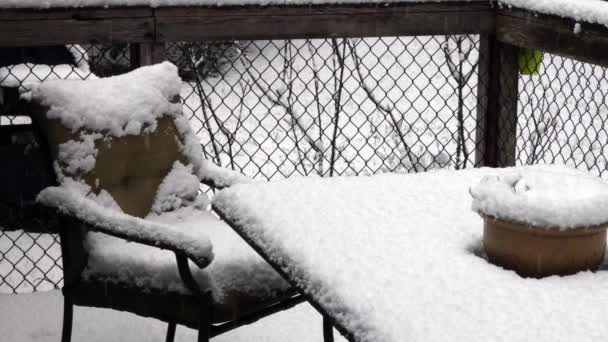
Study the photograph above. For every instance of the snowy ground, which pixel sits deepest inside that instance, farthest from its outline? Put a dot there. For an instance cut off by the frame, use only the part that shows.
(37, 318)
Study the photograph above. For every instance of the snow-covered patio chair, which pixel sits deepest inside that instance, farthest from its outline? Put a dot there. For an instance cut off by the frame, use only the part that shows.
(136, 232)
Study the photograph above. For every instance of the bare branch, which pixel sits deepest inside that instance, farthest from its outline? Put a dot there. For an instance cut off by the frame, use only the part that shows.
(337, 100)
(384, 108)
(202, 96)
(315, 72)
(276, 99)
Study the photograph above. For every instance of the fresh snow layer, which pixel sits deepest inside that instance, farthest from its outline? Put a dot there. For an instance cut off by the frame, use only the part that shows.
(221, 177)
(37, 318)
(235, 266)
(179, 189)
(395, 258)
(193, 242)
(160, 3)
(558, 199)
(127, 104)
(589, 11)
(132, 102)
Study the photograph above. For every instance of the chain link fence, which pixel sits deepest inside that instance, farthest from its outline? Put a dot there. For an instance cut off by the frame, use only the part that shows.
(563, 108)
(328, 107)
(32, 261)
(333, 106)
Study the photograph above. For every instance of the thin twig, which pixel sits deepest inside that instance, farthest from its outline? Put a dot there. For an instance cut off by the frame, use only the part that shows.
(384, 108)
(315, 72)
(202, 96)
(337, 100)
(276, 99)
(461, 80)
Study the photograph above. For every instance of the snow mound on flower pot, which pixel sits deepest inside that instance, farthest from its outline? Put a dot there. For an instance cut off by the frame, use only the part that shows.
(557, 198)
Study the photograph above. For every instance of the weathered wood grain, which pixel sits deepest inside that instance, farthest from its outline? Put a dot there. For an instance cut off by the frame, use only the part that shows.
(484, 143)
(74, 13)
(553, 34)
(190, 24)
(66, 31)
(496, 133)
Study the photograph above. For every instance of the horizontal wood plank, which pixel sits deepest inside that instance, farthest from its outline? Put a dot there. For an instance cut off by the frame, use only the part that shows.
(74, 13)
(553, 34)
(444, 6)
(68, 31)
(190, 24)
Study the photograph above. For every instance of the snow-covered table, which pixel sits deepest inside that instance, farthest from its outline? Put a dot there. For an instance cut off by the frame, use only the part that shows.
(395, 258)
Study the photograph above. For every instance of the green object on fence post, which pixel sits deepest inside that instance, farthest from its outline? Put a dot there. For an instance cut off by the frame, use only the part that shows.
(529, 61)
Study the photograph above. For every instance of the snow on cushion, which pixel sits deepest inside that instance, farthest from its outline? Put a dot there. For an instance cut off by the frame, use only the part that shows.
(130, 168)
(236, 273)
(118, 105)
(122, 134)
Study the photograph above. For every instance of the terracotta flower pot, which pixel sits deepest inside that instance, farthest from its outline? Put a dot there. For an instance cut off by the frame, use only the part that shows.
(540, 252)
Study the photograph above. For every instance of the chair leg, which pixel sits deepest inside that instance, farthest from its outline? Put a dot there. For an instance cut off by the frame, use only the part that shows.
(68, 311)
(203, 333)
(171, 332)
(328, 330)
(204, 323)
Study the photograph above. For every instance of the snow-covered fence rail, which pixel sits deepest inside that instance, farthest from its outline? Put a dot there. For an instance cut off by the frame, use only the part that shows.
(335, 89)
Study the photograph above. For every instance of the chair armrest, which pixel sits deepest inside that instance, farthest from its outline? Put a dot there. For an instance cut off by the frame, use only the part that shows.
(219, 177)
(193, 244)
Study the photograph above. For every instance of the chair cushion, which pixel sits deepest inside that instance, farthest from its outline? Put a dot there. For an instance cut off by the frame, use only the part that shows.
(240, 280)
(130, 167)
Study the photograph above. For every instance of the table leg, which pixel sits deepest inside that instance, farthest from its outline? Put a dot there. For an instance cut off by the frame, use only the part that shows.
(328, 330)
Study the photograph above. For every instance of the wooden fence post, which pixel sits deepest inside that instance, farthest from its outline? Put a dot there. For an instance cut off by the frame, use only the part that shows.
(497, 96)
(146, 54)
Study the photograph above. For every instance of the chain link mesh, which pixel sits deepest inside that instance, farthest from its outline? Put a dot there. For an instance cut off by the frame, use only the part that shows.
(325, 107)
(562, 112)
(32, 261)
(333, 106)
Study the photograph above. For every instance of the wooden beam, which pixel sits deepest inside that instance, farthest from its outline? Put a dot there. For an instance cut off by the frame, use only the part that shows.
(484, 143)
(147, 54)
(69, 31)
(62, 26)
(553, 34)
(497, 103)
(506, 95)
(290, 22)
(74, 13)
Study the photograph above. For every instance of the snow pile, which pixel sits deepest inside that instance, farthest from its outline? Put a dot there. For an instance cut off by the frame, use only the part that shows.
(589, 11)
(235, 267)
(557, 199)
(179, 189)
(221, 177)
(68, 200)
(77, 157)
(393, 258)
(131, 102)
